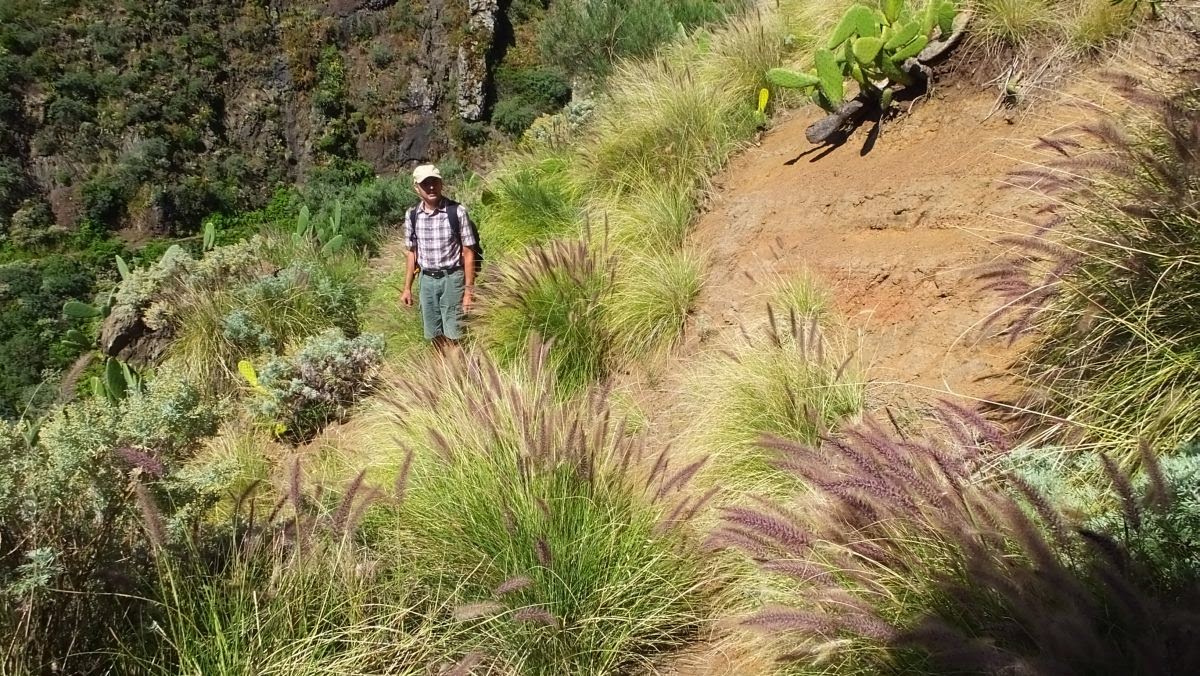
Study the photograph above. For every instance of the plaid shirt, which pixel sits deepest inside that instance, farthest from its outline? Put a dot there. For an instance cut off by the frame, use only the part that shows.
(434, 240)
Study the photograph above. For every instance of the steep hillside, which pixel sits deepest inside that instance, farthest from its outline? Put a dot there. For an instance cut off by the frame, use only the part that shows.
(150, 116)
(126, 126)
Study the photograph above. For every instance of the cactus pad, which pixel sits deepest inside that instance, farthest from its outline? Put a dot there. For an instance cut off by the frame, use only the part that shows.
(903, 35)
(782, 77)
(78, 310)
(830, 76)
(911, 49)
(858, 20)
(891, 9)
(866, 49)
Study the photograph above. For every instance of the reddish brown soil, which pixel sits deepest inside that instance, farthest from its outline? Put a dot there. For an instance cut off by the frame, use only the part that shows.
(897, 230)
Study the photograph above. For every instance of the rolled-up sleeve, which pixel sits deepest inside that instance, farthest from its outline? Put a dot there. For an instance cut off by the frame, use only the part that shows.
(410, 237)
(470, 237)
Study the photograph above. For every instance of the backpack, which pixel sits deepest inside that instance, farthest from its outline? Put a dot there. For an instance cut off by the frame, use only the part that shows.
(455, 228)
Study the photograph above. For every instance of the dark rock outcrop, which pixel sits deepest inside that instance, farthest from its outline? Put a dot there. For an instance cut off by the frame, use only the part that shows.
(472, 64)
(125, 336)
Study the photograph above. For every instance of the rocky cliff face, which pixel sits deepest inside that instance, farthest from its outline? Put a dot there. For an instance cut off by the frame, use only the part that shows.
(473, 54)
(149, 116)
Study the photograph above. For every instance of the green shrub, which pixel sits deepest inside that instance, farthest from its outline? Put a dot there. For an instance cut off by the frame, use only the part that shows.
(468, 134)
(185, 203)
(382, 55)
(371, 205)
(557, 131)
(1159, 524)
(32, 326)
(177, 272)
(12, 185)
(526, 93)
(514, 115)
(545, 88)
(104, 198)
(319, 383)
(234, 304)
(30, 224)
(70, 522)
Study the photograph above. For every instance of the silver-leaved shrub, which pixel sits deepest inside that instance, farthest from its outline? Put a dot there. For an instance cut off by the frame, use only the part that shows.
(319, 383)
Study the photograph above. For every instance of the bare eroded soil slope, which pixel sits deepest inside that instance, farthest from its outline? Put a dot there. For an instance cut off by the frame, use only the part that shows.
(896, 229)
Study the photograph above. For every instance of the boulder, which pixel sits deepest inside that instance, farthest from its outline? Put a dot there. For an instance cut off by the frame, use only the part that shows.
(125, 336)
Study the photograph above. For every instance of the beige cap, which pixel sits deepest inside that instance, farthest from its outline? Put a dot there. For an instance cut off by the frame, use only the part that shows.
(425, 171)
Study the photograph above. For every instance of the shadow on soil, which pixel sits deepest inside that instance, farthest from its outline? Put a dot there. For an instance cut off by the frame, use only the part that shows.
(872, 113)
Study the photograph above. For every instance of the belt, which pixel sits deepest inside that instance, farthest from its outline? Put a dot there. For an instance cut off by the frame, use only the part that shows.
(438, 273)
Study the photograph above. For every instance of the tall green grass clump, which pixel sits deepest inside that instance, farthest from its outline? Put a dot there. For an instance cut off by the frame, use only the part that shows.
(683, 138)
(557, 294)
(651, 300)
(910, 555)
(530, 201)
(803, 295)
(1014, 22)
(791, 383)
(588, 38)
(809, 22)
(563, 530)
(289, 591)
(1026, 26)
(1095, 23)
(1109, 280)
(657, 217)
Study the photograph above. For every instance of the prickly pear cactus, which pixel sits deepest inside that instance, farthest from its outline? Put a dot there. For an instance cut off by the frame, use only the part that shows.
(878, 49)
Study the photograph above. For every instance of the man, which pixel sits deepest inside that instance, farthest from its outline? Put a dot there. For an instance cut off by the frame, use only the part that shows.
(446, 256)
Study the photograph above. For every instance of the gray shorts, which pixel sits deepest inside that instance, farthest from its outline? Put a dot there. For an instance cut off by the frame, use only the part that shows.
(441, 304)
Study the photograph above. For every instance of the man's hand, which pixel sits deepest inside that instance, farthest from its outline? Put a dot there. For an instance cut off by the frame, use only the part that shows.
(467, 301)
(406, 297)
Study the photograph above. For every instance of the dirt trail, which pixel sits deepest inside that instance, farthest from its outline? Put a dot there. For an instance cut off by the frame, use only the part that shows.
(896, 232)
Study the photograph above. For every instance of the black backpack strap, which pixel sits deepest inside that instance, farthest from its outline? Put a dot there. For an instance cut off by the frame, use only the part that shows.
(412, 224)
(452, 214)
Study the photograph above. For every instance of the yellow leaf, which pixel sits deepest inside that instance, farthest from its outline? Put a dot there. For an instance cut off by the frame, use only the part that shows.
(763, 96)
